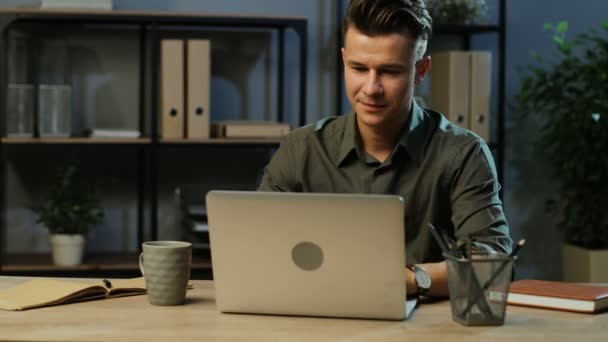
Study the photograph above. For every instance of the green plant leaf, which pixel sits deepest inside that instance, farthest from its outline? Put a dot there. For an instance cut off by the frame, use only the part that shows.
(605, 24)
(562, 27)
(548, 27)
(559, 40)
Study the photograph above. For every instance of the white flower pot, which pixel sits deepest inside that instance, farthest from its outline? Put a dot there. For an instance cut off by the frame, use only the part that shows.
(67, 249)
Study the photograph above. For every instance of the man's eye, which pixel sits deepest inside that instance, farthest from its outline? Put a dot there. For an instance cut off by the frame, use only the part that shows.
(359, 69)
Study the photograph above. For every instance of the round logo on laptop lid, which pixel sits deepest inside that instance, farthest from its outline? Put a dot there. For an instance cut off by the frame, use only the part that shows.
(307, 256)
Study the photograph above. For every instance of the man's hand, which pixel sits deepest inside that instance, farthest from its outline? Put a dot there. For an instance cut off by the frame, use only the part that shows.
(439, 280)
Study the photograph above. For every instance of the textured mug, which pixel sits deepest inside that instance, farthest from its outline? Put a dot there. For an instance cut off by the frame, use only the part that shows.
(166, 267)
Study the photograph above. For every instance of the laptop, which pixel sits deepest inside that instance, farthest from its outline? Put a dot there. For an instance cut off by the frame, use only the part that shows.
(308, 254)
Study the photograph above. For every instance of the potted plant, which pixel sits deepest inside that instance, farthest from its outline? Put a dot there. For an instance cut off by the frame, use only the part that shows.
(457, 12)
(68, 213)
(566, 100)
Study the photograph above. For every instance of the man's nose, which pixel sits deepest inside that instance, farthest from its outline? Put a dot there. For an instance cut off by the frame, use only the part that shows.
(372, 86)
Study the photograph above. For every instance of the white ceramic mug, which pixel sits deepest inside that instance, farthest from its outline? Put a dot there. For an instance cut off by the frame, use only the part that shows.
(166, 267)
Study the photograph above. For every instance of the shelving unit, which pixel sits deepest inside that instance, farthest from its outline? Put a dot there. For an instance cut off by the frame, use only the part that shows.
(466, 33)
(151, 28)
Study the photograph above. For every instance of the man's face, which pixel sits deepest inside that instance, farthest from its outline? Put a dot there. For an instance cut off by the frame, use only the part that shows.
(379, 74)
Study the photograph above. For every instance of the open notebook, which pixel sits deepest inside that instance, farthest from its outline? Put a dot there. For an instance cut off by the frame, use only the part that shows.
(42, 292)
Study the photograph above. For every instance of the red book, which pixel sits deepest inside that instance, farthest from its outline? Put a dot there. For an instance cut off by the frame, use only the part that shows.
(559, 295)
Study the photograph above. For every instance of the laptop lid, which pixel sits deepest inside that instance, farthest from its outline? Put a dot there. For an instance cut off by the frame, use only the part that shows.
(335, 255)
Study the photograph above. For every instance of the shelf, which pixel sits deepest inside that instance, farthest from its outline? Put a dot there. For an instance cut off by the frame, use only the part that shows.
(140, 141)
(63, 141)
(224, 141)
(42, 262)
(164, 17)
(150, 28)
(465, 29)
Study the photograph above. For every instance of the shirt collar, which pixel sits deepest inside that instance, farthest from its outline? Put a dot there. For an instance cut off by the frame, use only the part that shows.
(412, 138)
(415, 135)
(350, 139)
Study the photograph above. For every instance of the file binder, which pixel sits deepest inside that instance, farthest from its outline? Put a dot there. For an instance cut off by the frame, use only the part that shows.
(172, 88)
(199, 85)
(450, 85)
(479, 119)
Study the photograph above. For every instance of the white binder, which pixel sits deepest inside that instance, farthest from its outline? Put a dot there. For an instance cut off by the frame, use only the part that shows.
(451, 85)
(481, 69)
(199, 88)
(172, 89)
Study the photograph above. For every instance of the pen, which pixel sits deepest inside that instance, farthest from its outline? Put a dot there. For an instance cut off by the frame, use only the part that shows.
(439, 240)
(451, 244)
(498, 271)
(504, 264)
(453, 252)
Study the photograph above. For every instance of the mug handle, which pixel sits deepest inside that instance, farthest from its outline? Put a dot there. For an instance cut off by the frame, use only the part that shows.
(141, 263)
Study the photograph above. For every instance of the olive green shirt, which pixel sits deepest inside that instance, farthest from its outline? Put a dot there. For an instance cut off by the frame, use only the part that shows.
(445, 174)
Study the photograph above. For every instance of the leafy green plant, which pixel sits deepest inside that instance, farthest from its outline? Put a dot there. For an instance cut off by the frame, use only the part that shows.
(68, 209)
(566, 99)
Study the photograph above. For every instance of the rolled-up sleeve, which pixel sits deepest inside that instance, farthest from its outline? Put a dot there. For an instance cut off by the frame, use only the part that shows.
(477, 210)
(279, 173)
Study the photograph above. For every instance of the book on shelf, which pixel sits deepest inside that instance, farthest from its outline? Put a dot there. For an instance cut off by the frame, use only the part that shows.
(41, 292)
(559, 295)
(249, 129)
(82, 4)
(115, 133)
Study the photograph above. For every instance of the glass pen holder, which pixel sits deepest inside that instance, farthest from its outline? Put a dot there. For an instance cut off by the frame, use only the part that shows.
(54, 87)
(479, 286)
(54, 110)
(20, 90)
(20, 110)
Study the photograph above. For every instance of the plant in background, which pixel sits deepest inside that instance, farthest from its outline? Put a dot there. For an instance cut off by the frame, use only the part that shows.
(457, 11)
(69, 209)
(567, 102)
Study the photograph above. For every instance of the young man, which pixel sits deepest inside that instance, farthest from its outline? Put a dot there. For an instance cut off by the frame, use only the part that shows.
(389, 145)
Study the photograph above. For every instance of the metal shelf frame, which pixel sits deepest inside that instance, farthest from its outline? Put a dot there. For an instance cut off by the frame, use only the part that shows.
(149, 26)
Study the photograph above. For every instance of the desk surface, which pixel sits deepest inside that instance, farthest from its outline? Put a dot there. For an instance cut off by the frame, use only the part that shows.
(133, 319)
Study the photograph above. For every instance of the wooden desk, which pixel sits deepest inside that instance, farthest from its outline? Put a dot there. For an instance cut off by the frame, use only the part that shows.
(133, 319)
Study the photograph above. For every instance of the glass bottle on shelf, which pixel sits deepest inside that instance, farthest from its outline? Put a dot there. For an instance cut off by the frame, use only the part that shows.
(54, 89)
(20, 89)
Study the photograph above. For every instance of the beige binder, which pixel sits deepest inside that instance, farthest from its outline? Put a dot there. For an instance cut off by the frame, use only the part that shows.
(450, 85)
(479, 118)
(172, 88)
(199, 87)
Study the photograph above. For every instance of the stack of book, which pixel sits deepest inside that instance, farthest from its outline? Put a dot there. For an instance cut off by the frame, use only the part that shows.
(87, 4)
(195, 228)
(115, 133)
(249, 129)
(557, 295)
(193, 216)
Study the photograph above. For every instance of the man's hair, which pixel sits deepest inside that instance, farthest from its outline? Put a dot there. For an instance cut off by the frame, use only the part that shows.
(377, 17)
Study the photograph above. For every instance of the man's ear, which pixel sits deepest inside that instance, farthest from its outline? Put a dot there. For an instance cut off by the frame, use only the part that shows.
(423, 66)
(343, 56)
